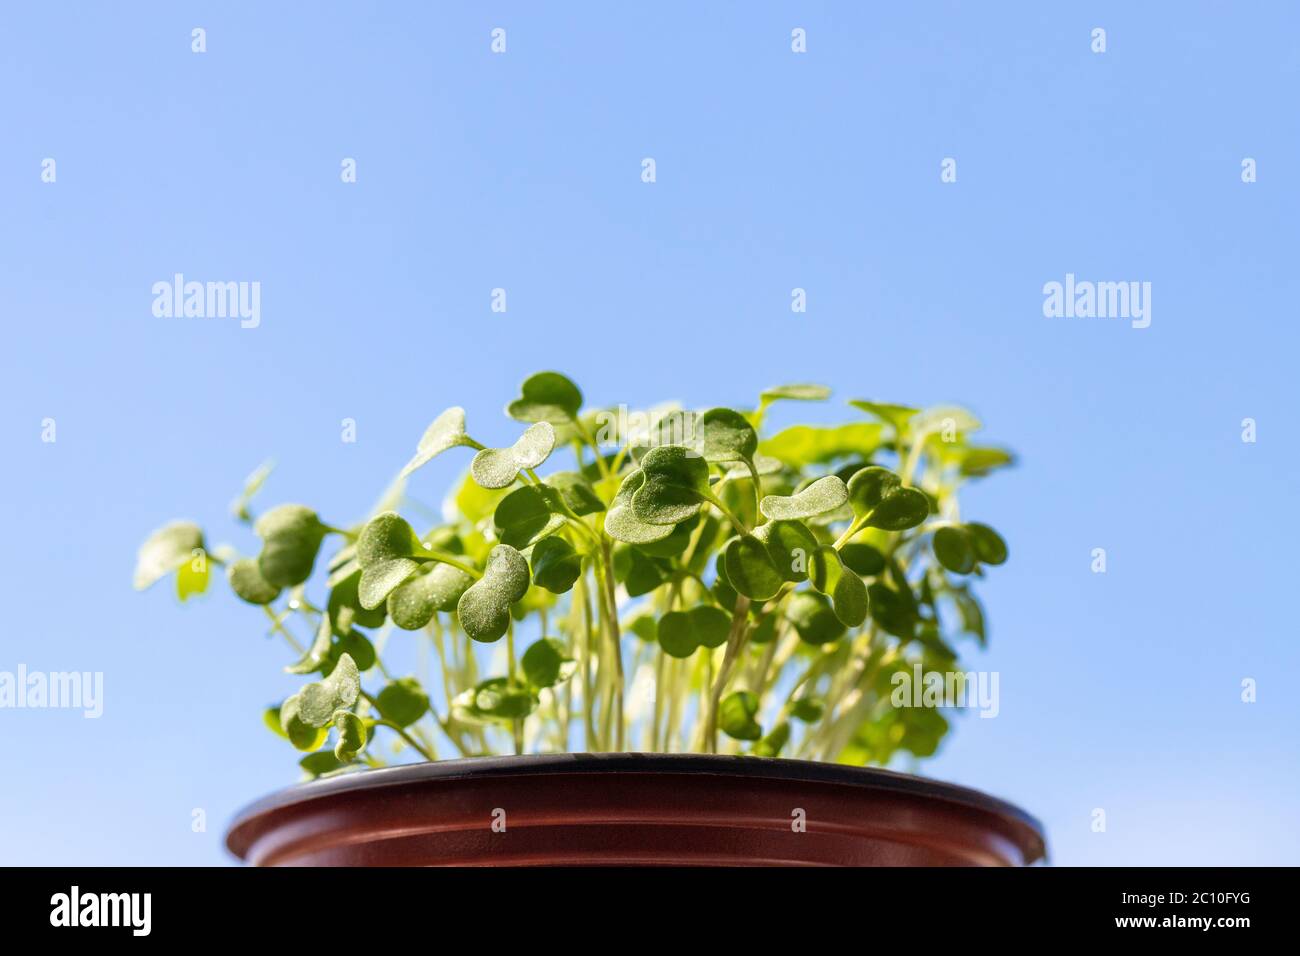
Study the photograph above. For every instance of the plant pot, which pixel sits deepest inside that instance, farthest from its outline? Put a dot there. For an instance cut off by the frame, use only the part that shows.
(633, 809)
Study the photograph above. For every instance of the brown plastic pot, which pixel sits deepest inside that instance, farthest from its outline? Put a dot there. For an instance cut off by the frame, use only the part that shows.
(633, 809)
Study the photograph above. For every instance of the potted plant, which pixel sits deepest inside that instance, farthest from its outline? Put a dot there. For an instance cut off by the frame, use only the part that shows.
(686, 640)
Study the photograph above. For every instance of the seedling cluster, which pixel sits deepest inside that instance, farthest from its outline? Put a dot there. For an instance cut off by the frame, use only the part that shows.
(675, 583)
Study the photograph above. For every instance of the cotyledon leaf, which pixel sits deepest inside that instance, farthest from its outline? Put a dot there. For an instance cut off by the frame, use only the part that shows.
(556, 565)
(484, 609)
(546, 397)
(318, 701)
(870, 486)
(750, 568)
(728, 436)
(955, 548)
(318, 653)
(676, 484)
(989, 546)
(799, 392)
(446, 431)
(438, 587)
(736, 715)
(499, 467)
(291, 535)
(301, 734)
(247, 582)
(403, 701)
(351, 735)
(386, 551)
(621, 522)
(896, 415)
(547, 663)
(165, 550)
(791, 546)
(824, 494)
(528, 514)
(905, 508)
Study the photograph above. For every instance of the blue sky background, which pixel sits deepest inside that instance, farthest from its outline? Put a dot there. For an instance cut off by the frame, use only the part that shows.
(775, 170)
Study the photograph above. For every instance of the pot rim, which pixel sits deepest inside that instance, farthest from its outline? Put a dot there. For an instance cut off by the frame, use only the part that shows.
(239, 835)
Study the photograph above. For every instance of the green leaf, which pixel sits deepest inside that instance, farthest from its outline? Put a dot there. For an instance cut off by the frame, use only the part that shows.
(774, 742)
(499, 467)
(484, 609)
(763, 464)
(676, 483)
(303, 735)
(978, 461)
(954, 546)
(403, 701)
(638, 572)
(503, 698)
(750, 568)
(317, 654)
(862, 559)
(192, 577)
(905, 508)
(721, 589)
(736, 716)
(576, 492)
(556, 565)
(472, 502)
(345, 601)
(271, 717)
(291, 535)
(351, 736)
(728, 436)
(546, 397)
(896, 415)
(676, 542)
(357, 646)
(527, 515)
(252, 485)
(824, 494)
(318, 701)
(321, 762)
(676, 635)
(644, 625)
(546, 663)
(765, 631)
(166, 550)
(795, 393)
(380, 580)
(385, 551)
(849, 599)
(710, 625)
(246, 581)
(436, 587)
(446, 431)
(891, 611)
(870, 486)
(989, 546)
(791, 547)
(621, 522)
(813, 618)
(802, 445)
(808, 709)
